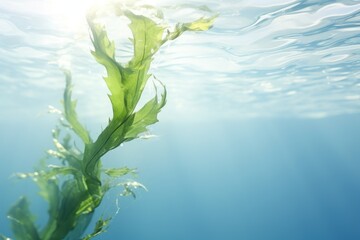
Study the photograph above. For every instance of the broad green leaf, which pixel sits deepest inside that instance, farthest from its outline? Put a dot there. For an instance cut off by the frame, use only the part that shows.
(146, 116)
(82, 224)
(75, 202)
(22, 222)
(104, 53)
(147, 39)
(70, 111)
(50, 191)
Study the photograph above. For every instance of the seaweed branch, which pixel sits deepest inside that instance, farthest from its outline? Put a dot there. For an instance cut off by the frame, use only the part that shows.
(76, 187)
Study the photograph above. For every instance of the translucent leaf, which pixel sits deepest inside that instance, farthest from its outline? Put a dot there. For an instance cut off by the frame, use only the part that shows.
(22, 222)
(50, 191)
(119, 172)
(202, 24)
(70, 111)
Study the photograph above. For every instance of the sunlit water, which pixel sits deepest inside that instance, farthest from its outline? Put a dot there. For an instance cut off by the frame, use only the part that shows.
(259, 139)
(262, 58)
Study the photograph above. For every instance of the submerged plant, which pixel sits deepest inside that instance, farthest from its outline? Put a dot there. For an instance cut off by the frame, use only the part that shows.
(76, 187)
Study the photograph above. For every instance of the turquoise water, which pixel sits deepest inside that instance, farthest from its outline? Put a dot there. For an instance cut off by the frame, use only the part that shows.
(259, 138)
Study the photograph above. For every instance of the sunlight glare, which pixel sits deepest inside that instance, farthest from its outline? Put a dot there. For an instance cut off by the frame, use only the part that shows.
(72, 13)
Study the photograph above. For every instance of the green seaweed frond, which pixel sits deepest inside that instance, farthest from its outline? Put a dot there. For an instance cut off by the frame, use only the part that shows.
(75, 187)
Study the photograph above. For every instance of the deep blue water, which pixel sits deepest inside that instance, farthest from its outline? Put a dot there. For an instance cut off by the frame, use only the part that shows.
(259, 139)
(251, 179)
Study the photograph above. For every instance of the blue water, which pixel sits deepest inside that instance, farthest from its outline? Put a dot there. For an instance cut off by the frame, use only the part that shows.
(259, 138)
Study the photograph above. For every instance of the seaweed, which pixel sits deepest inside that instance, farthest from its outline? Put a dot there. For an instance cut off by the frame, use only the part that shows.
(76, 186)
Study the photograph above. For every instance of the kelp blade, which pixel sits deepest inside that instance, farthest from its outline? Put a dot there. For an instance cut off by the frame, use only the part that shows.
(22, 222)
(76, 188)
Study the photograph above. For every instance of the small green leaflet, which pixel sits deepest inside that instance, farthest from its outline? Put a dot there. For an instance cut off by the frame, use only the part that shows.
(100, 227)
(119, 172)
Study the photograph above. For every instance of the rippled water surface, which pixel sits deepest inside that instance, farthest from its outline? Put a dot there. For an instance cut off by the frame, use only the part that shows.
(262, 58)
(259, 139)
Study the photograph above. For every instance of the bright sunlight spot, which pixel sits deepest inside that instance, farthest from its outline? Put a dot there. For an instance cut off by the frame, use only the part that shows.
(72, 13)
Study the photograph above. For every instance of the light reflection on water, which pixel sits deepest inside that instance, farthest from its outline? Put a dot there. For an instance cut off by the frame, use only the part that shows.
(262, 58)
